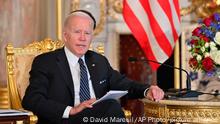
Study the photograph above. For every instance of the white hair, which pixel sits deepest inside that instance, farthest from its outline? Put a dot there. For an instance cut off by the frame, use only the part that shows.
(78, 13)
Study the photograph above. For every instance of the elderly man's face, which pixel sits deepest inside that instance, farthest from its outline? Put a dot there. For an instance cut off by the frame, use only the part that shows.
(78, 34)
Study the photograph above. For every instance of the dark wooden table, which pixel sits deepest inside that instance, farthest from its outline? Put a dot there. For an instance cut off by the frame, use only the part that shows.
(13, 119)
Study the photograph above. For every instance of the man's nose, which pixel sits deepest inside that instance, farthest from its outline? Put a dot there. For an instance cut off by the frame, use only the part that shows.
(82, 36)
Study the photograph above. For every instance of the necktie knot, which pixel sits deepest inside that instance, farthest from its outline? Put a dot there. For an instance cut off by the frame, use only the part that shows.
(80, 61)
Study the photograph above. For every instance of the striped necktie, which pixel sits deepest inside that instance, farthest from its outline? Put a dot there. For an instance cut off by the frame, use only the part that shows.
(84, 83)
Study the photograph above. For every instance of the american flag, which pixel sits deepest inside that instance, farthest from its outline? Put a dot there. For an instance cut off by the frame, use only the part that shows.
(156, 26)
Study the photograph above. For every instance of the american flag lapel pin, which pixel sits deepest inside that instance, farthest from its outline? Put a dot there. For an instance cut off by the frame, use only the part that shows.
(93, 65)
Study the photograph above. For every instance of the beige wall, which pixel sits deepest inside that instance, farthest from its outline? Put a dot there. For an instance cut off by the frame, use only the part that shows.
(21, 21)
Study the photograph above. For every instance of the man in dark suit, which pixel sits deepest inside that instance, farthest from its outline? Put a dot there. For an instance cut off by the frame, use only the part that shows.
(64, 83)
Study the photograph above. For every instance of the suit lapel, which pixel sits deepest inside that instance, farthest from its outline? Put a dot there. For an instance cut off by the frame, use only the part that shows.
(92, 67)
(65, 70)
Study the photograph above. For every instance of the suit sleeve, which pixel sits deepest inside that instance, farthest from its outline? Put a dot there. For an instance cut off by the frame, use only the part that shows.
(121, 82)
(36, 98)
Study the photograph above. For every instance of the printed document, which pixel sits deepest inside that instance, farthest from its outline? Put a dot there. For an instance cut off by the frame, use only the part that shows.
(112, 94)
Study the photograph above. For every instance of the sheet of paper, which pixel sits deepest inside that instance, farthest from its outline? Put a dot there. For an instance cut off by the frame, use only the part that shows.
(112, 94)
(12, 112)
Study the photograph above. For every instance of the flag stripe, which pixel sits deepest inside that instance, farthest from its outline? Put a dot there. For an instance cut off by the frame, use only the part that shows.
(158, 27)
(167, 8)
(176, 19)
(155, 24)
(138, 29)
(144, 21)
(162, 19)
(165, 5)
(177, 10)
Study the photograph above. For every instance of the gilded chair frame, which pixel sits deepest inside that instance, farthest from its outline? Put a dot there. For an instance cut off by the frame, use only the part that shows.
(35, 48)
(4, 99)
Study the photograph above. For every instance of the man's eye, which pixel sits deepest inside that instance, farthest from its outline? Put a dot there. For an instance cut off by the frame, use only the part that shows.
(88, 33)
(76, 31)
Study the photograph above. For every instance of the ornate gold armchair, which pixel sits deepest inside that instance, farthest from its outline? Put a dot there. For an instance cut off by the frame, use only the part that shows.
(19, 61)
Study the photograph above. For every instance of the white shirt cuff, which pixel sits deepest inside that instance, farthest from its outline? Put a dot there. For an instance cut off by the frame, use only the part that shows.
(146, 92)
(67, 112)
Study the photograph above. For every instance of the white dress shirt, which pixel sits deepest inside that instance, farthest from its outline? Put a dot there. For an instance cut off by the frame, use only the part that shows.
(75, 72)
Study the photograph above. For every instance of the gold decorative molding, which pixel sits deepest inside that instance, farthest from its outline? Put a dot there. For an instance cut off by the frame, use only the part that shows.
(100, 48)
(102, 20)
(45, 45)
(4, 99)
(117, 6)
(201, 8)
(114, 8)
(14, 97)
(127, 113)
(75, 5)
(182, 111)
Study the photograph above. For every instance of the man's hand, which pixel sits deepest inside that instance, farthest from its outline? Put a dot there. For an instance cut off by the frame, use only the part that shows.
(82, 106)
(154, 93)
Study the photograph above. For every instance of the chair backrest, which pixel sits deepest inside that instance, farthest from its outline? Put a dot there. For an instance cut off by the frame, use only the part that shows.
(19, 61)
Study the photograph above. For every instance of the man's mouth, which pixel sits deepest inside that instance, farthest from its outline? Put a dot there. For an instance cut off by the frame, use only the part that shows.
(80, 45)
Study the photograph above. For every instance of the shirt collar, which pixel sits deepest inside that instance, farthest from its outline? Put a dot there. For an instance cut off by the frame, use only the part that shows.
(71, 57)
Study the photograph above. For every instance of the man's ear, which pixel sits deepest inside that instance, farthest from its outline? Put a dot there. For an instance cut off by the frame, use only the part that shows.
(65, 36)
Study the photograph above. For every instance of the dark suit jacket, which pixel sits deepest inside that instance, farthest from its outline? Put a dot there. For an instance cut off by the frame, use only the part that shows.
(51, 87)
